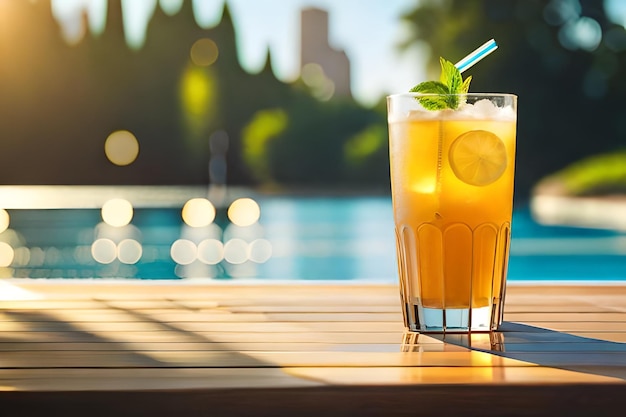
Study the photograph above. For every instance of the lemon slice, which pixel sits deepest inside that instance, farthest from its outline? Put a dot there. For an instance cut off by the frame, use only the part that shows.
(478, 157)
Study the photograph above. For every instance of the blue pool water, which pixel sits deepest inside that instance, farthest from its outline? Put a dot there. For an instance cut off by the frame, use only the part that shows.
(302, 238)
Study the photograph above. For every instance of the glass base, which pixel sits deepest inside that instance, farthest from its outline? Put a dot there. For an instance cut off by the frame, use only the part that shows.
(450, 320)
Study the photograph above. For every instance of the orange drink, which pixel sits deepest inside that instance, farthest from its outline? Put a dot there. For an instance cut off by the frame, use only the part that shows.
(452, 191)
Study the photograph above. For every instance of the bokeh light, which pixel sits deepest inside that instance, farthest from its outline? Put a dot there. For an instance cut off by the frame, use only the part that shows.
(117, 212)
(129, 251)
(104, 251)
(315, 78)
(211, 251)
(236, 251)
(313, 75)
(244, 212)
(6, 254)
(82, 254)
(584, 33)
(196, 269)
(4, 220)
(198, 212)
(184, 251)
(37, 256)
(21, 256)
(204, 52)
(260, 250)
(121, 148)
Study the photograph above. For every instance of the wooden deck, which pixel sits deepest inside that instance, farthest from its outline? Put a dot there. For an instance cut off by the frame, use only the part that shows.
(212, 349)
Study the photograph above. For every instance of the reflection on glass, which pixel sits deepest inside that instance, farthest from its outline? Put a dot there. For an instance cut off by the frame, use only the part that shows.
(488, 341)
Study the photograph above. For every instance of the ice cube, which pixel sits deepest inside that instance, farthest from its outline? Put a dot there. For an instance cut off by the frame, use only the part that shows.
(485, 109)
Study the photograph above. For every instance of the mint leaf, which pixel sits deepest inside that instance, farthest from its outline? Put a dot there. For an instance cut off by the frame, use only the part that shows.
(435, 102)
(465, 85)
(450, 76)
(431, 87)
(450, 83)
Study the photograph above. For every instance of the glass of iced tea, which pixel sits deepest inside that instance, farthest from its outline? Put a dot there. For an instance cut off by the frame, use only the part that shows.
(452, 192)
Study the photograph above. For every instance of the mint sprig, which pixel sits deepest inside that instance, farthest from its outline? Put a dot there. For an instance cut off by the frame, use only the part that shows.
(446, 89)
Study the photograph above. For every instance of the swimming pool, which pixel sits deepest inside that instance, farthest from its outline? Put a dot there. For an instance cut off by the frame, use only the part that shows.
(295, 238)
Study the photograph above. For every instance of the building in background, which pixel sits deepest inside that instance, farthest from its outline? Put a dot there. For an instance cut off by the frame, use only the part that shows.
(325, 69)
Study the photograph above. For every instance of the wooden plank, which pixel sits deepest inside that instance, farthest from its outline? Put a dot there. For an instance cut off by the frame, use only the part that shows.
(607, 336)
(179, 316)
(195, 327)
(47, 305)
(224, 378)
(226, 337)
(449, 375)
(567, 326)
(220, 346)
(303, 350)
(227, 359)
(112, 379)
(615, 358)
(574, 316)
(376, 400)
(204, 326)
(337, 309)
(510, 309)
(304, 336)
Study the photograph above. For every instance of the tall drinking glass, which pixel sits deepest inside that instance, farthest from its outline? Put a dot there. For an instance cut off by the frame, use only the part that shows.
(452, 192)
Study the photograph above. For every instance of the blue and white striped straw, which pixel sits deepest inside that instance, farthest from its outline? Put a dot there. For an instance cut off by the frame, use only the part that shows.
(481, 52)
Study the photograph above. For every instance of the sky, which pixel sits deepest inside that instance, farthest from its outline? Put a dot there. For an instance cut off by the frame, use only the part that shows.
(367, 30)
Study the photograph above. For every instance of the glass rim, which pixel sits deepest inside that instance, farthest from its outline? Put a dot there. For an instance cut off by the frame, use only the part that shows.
(415, 94)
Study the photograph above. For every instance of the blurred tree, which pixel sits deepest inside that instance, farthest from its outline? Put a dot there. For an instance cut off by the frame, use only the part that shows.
(317, 143)
(563, 58)
(60, 101)
(265, 126)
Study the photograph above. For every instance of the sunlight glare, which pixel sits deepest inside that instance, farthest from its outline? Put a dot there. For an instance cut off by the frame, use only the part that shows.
(10, 292)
